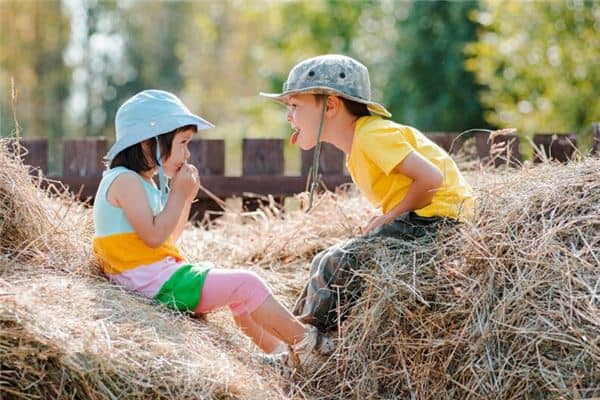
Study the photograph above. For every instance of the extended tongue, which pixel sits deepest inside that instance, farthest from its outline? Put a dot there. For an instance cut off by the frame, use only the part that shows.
(294, 136)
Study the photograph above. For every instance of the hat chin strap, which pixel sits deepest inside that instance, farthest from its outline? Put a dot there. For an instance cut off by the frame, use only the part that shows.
(162, 179)
(314, 176)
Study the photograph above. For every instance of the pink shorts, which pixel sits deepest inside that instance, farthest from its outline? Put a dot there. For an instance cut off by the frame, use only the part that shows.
(243, 291)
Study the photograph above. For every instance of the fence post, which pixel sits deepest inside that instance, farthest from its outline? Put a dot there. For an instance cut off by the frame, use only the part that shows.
(500, 150)
(208, 156)
(596, 138)
(83, 156)
(555, 146)
(262, 157)
(37, 153)
(449, 141)
(331, 160)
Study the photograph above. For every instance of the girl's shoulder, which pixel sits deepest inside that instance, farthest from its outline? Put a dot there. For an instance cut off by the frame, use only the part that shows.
(109, 177)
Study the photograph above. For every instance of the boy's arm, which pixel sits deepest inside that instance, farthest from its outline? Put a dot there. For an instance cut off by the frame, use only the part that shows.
(427, 178)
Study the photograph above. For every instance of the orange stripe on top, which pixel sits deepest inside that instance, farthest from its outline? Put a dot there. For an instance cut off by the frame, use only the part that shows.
(125, 251)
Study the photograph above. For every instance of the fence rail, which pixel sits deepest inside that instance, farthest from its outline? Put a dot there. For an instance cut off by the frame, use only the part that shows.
(263, 162)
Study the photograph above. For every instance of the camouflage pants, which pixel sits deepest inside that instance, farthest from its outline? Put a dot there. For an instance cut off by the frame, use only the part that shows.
(333, 286)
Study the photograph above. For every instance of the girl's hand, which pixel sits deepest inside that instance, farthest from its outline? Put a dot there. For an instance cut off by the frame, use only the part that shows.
(186, 181)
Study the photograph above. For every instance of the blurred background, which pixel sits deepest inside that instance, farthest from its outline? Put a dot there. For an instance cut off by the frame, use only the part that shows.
(439, 66)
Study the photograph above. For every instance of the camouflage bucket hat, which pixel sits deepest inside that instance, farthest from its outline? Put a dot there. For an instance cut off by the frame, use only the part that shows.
(331, 74)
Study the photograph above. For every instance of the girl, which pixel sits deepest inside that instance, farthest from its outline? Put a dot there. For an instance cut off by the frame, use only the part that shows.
(136, 227)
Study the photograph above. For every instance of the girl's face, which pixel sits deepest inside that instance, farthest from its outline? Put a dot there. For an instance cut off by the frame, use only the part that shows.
(304, 114)
(179, 152)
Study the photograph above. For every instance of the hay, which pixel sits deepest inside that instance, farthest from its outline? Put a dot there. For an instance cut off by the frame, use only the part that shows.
(65, 332)
(31, 225)
(506, 307)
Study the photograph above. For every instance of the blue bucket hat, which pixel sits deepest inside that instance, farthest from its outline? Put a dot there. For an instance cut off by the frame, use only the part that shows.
(148, 114)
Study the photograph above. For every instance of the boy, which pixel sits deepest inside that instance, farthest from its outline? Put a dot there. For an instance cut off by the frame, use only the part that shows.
(413, 181)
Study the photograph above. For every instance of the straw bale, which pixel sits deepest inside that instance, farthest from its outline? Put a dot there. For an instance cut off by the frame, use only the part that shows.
(65, 332)
(504, 307)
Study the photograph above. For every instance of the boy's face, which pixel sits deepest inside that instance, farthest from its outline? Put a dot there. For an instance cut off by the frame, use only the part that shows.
(304, 114)
(179, 152)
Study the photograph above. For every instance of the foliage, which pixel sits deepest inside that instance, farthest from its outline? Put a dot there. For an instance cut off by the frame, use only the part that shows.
(32, 42)
(428, 86)
(75, 61)
(539, 64)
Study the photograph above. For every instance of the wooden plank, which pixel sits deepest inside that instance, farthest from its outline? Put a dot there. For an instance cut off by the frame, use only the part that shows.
(331, 160)
(449, 141)
(85, 185)
(262, 157)
(84, 156)
(266, 184)
(596, 138)
(222, 186)
(208, 156)
(37, 153)
(501, 150)
(554, 146)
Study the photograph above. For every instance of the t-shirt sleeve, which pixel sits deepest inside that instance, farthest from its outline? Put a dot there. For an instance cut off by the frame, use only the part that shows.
(386, 148)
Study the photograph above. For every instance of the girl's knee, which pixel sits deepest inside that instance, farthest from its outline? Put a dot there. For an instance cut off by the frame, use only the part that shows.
(252, 279)
(252, 293)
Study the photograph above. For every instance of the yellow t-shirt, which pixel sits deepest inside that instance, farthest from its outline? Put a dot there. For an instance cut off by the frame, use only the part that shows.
(379, 145)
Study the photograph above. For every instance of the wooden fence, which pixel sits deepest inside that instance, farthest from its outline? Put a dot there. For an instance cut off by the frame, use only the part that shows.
(263, 162)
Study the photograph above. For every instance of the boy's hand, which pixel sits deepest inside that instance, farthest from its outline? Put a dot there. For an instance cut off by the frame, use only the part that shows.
(375, 222)
(186, 182)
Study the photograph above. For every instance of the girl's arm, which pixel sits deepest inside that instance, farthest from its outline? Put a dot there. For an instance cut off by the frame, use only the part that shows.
(183, 219)
(427, 178)
(128, 193)
(192, 186)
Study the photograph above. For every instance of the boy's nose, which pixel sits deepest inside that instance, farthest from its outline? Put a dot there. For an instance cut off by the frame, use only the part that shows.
(289, 115)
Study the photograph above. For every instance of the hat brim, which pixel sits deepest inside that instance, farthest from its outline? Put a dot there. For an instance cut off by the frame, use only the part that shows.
(148, 132)
(374, 108)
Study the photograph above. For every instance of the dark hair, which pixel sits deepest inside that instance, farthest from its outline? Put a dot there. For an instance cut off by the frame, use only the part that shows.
(354, 108)
(135, 159)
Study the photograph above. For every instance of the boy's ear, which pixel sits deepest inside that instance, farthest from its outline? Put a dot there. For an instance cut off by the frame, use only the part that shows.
(333, 105)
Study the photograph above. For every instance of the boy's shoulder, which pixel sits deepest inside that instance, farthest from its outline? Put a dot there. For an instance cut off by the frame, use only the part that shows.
(368, 127)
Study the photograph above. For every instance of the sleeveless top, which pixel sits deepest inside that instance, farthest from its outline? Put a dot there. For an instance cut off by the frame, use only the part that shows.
(161, 272)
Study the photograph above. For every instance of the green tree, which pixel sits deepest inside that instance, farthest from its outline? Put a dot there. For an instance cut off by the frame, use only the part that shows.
(428, 86)
(152, 54)
(310, 28)
(33, 36)
(540, 64)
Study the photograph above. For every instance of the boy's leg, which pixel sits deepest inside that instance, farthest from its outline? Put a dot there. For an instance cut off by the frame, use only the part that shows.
(409, 226)
(333, 286)
(301, 300)
(331, 270)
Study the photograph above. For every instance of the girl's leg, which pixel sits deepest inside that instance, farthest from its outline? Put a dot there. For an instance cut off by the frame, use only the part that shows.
(267, 342)
(279, 322)
(245, 293)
